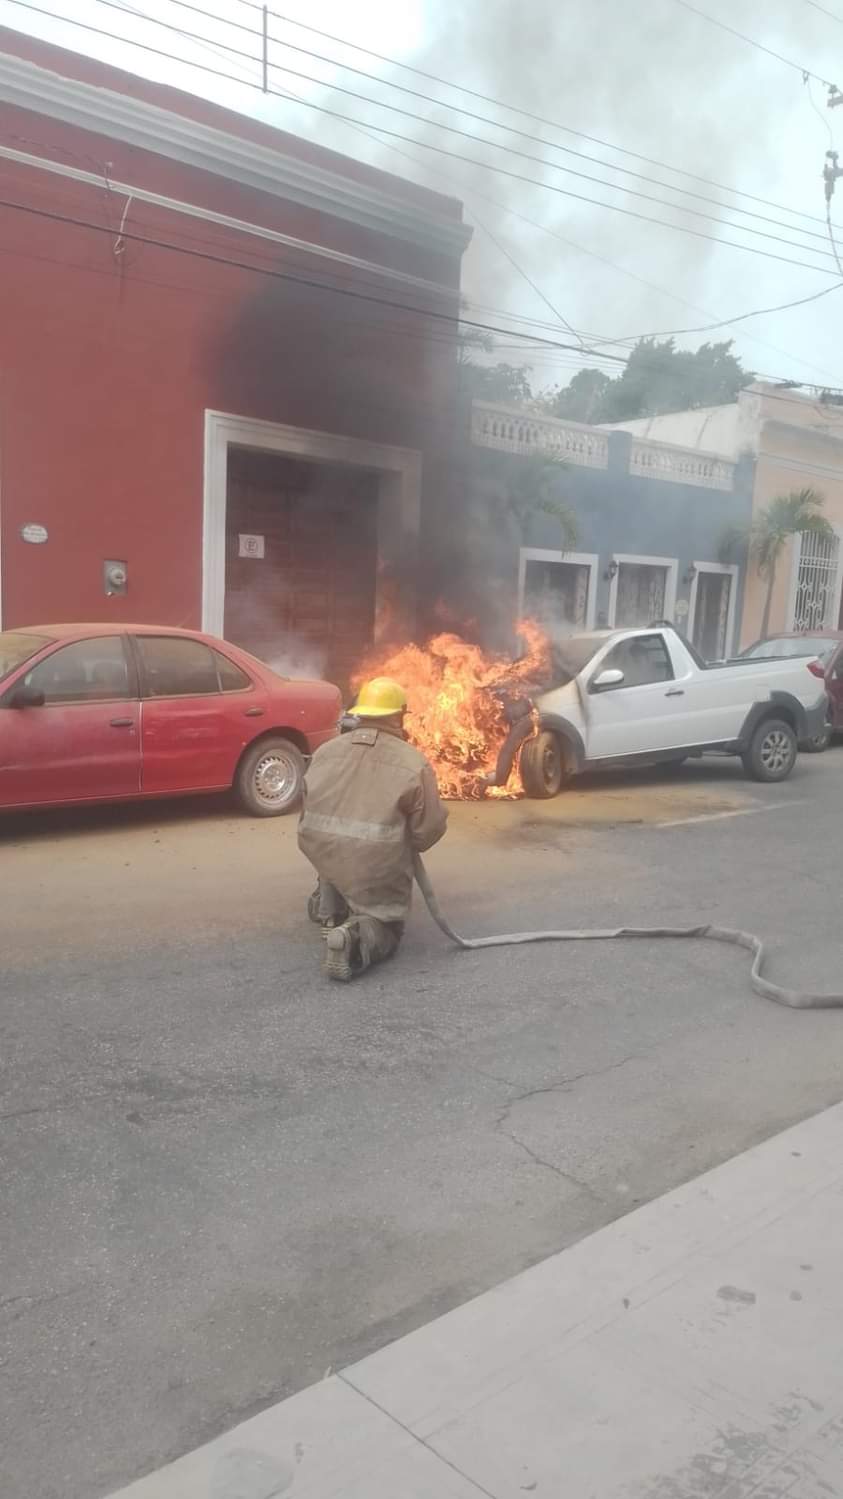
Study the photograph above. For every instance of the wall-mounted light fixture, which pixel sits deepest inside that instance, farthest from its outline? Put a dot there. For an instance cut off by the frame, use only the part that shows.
(689, 574)
(611, 571)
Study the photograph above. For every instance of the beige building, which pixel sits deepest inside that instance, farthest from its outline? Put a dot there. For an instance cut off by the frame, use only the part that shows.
(796, 442)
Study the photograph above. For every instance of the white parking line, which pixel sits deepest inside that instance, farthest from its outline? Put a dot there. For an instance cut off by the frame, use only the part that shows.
(685, 822)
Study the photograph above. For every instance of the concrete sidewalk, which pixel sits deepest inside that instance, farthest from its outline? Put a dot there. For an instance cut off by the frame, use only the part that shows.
(692, 1349)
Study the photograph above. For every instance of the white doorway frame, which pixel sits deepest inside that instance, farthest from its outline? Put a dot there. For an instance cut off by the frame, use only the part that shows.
(399, 507)
(671, 566)
(732, 570)
(577, 559)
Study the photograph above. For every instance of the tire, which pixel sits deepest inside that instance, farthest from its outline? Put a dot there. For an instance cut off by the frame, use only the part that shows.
(270, 777)
(772, 751)
(820, 742)
(543, 765)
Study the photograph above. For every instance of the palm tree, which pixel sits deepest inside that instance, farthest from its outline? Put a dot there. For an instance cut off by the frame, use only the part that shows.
(787, 515)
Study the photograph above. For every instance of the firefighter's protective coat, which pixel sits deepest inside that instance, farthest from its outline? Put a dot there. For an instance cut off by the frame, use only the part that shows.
(370, 803)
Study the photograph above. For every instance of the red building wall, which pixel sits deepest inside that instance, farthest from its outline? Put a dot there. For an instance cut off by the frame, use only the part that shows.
(110, 356)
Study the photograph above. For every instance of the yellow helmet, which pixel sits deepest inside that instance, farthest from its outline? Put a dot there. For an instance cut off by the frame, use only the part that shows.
(380, 698)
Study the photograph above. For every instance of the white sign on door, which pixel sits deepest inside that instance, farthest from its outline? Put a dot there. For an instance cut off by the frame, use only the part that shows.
(251, 546)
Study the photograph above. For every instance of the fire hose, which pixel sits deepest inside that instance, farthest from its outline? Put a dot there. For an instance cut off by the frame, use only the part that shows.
(796, 999)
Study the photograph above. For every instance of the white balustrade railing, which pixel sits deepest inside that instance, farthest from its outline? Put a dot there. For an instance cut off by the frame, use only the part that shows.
(661, 460)
(514, 430)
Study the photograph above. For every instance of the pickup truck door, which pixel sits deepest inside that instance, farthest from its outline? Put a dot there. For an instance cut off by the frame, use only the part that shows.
(648, 711)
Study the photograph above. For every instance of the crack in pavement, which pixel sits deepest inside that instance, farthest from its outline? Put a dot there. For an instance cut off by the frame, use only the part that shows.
(503, 1119)
(35, 1301)
(566, 1176)
(576, 1077)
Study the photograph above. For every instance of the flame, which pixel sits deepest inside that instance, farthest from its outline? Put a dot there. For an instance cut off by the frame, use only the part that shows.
(452, 716)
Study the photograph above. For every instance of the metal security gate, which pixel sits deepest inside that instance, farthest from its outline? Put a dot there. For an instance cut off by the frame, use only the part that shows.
(556, 594)
(641, 594)
(711, 614)
(817, 583)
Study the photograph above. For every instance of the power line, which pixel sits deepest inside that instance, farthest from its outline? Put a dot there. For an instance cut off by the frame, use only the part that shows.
(516, 109)
(544, 228)
(514, 150)
(829, 13)
(622, 270)
(741, 317)
(451, 320)
(751, 41)
(545, 350)
(456, 108)
(831, 237)
(485, 166)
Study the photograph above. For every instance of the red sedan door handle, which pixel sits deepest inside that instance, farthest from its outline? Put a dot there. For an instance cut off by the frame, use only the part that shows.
(122, 723)
(254, 712)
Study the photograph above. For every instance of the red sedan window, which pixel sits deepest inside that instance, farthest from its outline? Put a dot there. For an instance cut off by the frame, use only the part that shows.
(16, 646)
(88, 671)
(174, 666)
(232, 679)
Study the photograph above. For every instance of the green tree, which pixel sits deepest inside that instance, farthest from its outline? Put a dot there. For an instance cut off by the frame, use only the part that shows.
(579, 401)
(656, 379)
(531, 489)
(507, 383)
(787, 515)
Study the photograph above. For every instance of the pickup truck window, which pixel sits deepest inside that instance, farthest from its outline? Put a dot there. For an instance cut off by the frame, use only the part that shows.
(642, 659)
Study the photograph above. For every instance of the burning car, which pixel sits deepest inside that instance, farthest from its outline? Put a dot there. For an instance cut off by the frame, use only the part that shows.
(492, 726)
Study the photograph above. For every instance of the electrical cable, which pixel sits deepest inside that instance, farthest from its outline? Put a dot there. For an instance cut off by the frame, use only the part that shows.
(751, 41)
(823, 119)
(309, 283)
(794, 999)
(833, 240)
(516, 109)
(622, 270)
(829, 13)
(488, 166)
(739, 318)
(595, 338)
(408, 114)
(471, 114)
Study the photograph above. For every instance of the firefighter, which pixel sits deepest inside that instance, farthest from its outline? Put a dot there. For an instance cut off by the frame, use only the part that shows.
(370, 803)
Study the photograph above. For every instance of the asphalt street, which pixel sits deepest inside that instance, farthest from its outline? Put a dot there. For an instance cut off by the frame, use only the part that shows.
(223, 1177)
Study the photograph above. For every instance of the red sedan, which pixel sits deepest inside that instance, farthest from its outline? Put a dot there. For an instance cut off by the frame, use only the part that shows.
(93, 713)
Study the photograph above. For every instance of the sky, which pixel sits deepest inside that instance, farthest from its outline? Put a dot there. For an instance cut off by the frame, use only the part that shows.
(657, 79)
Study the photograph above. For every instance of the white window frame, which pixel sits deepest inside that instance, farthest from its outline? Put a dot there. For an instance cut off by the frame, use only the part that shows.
(577, 559)
(671, 566)
(732, 570)
(793, 586)
(399, 503)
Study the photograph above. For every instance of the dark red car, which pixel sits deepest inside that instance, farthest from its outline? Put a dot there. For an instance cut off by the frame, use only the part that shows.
(100, 713)
(827, 647)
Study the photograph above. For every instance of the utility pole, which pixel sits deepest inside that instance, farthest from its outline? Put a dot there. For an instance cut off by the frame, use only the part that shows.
(831, 172)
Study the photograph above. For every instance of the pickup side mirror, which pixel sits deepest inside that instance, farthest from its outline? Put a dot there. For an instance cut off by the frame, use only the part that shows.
(606, 680)
(26, 697)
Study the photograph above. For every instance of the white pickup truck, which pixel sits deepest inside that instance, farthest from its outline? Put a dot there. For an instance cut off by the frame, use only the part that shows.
(627, 696)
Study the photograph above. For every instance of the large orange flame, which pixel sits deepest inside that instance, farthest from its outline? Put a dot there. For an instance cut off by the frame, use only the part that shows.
(452, 716)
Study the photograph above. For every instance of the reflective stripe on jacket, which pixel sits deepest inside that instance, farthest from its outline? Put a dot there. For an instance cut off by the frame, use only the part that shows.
(370, 801)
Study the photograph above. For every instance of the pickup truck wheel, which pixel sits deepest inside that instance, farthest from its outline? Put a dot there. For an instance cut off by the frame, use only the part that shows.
(772, 751)
(543, 765)
(270, 777)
